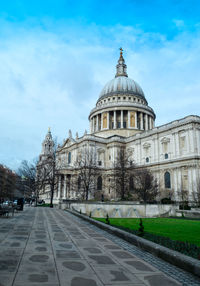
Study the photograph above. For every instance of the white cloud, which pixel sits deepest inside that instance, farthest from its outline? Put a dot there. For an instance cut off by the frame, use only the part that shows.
(50, 79)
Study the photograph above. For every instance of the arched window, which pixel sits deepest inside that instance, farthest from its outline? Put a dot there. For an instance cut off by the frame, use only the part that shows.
(69, 158)
(99, 183)
(167, 180)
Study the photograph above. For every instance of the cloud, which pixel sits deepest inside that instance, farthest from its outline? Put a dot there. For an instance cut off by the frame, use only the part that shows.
(53, 78)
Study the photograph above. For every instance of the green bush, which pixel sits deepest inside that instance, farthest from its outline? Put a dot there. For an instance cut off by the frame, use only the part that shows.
(44, 205)
(166, 201)
(107, 219)
(185, 207)
(141, 228)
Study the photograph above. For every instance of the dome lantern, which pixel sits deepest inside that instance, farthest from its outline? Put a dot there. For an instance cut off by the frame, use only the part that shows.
(121, 66)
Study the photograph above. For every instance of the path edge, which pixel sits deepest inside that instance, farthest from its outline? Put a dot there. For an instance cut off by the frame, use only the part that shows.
(173, 257)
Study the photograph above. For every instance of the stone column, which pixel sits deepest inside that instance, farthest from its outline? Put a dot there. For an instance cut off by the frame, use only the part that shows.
(150, 125)
(101, 121)
(122, 118)
(129, 119)
(59, 187)
(97, 122)
(108, 119)
(190, 181)
(179, 180)
(65, 187)
(91, 131)
(92, 124)
(149, 122)
(175, 184)
(155, 149)
(114, 120)
(136, 120)
(177, 144)
(153, 123)
(141, 121)
(173, 145)
(68, 187)
(191, 139)
(146, 122)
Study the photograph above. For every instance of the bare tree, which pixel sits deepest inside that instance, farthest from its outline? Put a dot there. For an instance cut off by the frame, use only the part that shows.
(27, 180)
(196, 194)
(183, 198)
(46, 175)
(8, 180)
(86, 172)
(145, 185)
(123, 172)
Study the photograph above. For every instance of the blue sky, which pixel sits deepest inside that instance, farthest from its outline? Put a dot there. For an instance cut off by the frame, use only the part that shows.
(56, 56)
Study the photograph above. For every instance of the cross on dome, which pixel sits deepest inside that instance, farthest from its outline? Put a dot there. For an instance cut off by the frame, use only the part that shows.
(121, 66)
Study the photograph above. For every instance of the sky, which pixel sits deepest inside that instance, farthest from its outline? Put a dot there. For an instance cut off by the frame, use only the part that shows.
(57, 55)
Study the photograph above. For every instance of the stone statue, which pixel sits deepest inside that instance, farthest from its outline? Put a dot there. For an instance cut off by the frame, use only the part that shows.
(70, 133)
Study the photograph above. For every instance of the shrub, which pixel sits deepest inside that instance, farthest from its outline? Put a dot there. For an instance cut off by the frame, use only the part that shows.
(184, 207)
(166, 201)
(107, 219)
(141, 228)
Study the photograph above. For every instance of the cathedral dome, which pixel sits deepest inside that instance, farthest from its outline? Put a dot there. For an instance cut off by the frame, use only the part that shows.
(121, 108)
(122, 85)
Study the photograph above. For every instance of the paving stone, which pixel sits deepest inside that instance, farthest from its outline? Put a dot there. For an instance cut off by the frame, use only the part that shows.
(101, 260)
(92, 250)
(116, 275)
(122, 254)
(63, 254)
(8, 264)
(112, 246)
(138, 266)
(158, 280)
(6, 279)
(77, 281)
(74, 265)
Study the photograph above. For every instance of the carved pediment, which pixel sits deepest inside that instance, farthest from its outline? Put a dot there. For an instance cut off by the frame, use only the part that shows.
(130, 150)
(100, 150)
(165, 140)
(146, 145)
(68, 142)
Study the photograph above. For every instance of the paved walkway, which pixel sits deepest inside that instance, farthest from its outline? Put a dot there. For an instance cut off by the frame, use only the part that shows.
(42, 246)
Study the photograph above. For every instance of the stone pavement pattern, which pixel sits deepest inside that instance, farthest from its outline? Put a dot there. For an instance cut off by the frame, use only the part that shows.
(43, 246)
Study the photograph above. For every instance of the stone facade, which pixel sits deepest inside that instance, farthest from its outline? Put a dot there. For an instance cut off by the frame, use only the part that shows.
(122, 117)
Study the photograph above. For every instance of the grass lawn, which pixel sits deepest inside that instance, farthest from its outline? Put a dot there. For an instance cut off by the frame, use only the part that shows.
(176, 229)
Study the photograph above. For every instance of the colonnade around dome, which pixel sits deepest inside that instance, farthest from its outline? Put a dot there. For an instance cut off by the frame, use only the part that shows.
(121, 119)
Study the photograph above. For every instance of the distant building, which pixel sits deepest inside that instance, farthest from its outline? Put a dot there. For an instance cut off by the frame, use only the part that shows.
(122, 117)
